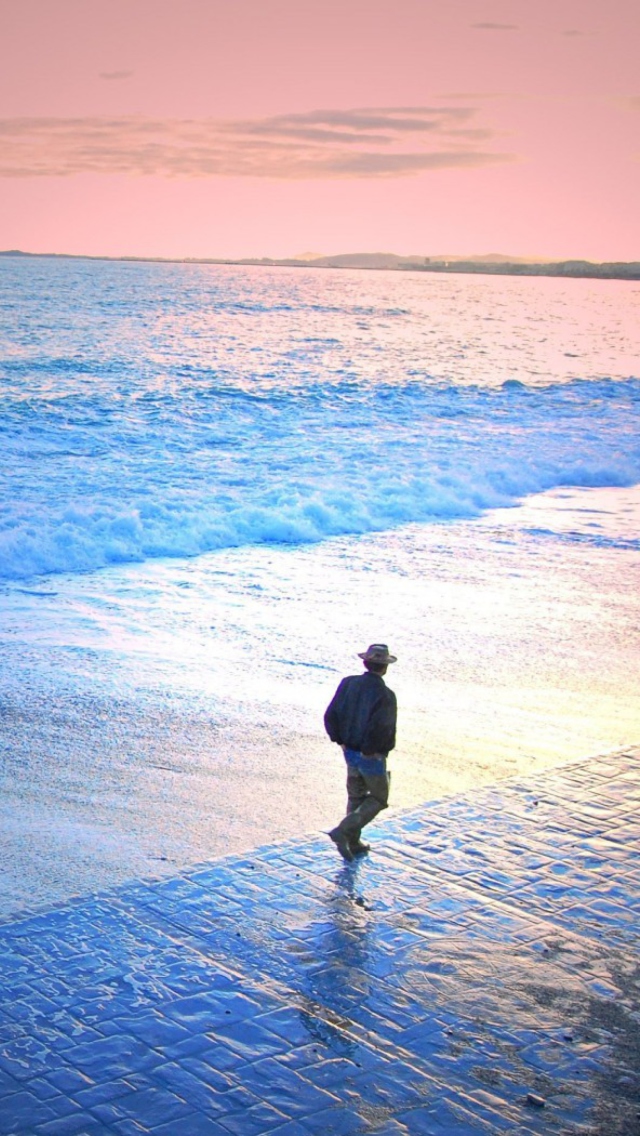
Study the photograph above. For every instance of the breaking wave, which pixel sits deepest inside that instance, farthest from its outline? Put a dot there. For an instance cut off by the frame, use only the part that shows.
(181, 474)
(153, 411)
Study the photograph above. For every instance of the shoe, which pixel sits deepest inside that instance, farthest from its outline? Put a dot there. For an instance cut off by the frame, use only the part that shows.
(342, 844)
(358, 848)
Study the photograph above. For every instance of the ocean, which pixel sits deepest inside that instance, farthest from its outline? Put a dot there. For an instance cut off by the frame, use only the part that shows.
(219, 483)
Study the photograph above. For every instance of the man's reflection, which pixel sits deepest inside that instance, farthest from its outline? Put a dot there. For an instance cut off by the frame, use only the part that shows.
(339, 982)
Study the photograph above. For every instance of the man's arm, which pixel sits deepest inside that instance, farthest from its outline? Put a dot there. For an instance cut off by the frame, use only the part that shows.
(332, 714)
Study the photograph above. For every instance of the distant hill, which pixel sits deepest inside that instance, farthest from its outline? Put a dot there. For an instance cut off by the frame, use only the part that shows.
(392, 260)
(365, 260)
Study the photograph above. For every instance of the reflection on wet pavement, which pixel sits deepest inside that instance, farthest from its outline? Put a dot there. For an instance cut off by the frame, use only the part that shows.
(476, 973)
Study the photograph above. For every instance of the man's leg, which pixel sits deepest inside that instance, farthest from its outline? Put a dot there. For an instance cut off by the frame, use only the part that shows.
(357, 791)
(356, 788)
(356, 796)
(376, 797)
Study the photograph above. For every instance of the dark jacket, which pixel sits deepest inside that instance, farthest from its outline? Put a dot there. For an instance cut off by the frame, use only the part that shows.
(362, 714)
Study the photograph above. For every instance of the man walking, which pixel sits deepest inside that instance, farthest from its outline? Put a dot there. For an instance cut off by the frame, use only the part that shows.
(361, 718)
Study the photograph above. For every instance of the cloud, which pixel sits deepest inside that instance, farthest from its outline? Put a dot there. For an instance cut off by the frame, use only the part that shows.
(362, 142)
(487, 26)
(476, 96)
(115, 74)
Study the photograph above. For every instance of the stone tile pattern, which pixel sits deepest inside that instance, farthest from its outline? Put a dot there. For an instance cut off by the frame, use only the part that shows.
(476, 973)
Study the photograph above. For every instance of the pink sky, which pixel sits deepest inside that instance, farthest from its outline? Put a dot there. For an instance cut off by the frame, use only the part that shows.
(272, 127)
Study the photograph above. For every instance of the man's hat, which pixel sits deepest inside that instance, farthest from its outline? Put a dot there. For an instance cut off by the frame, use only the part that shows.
(377, 653)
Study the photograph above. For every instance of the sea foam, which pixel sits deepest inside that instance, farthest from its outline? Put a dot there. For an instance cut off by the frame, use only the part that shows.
(182, 476)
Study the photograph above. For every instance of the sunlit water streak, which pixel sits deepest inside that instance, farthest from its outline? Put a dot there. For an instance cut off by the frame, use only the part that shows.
(166, 657)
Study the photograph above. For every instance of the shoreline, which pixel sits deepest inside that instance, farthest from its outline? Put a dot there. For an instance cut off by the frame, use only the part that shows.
(141, 749)
(562, 270)
(152, 869)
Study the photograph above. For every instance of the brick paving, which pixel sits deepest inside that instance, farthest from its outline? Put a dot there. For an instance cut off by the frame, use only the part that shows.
(476, 973)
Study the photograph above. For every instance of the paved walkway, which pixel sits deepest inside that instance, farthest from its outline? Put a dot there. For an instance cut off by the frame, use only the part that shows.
(477, 973)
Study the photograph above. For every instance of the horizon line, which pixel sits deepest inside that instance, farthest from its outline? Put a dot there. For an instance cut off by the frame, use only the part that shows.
(487, 263)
